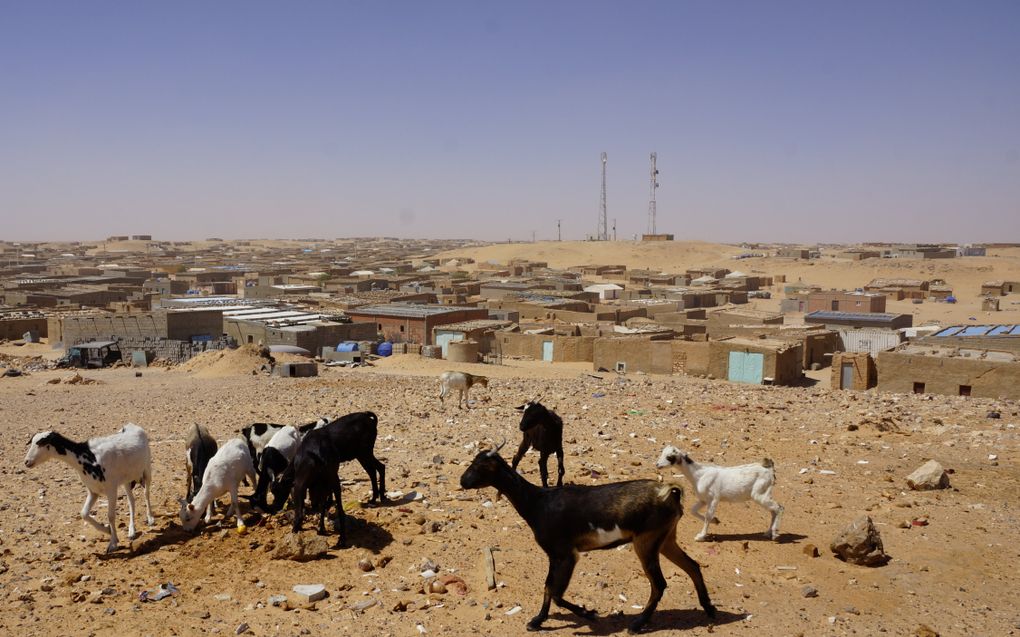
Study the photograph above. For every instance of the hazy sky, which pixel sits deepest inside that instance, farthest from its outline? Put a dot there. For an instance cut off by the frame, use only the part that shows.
(796, 121)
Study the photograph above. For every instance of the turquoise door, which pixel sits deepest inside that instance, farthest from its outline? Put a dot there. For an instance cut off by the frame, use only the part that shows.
(547, 350)
(746, 367)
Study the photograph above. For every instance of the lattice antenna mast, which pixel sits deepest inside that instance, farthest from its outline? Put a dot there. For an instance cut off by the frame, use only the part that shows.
(603, 233)
(654, 183)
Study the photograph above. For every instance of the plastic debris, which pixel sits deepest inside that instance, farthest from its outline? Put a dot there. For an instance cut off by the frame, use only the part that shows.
(164, 591)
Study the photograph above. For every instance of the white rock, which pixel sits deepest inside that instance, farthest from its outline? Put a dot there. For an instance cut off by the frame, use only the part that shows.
(310, 592)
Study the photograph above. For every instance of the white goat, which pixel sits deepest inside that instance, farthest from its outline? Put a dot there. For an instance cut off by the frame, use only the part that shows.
(713, 484)
(104, 465)
(231, 464)
(462, 382)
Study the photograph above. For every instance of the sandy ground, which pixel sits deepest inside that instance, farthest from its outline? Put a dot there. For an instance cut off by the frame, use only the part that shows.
(958, 574)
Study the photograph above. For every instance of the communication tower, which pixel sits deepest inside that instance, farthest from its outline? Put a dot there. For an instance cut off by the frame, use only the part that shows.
(603, 233)
(654, 179)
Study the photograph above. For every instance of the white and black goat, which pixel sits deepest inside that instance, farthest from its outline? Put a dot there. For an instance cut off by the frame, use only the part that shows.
(543, 430)
(277, 456)
(104, 464)
(257, 436)
(461, 382)
(586, 518)
(199, 449)
(714, 484)
(316, 464)
(224, 473)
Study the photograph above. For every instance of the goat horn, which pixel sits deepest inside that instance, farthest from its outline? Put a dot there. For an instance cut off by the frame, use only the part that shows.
(495, 450)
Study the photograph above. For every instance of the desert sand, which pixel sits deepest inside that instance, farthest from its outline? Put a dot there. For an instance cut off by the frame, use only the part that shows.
(953, 568)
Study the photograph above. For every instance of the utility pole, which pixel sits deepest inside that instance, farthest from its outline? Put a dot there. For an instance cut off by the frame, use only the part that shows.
(559, 232)
(533, 236)
(653, 177)
(614, 229)
(603, 234)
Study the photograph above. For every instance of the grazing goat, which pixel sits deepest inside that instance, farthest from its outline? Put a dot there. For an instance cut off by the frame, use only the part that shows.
(200, 448)
(277, 455)
(104, 465)
(460, 381)
(231, 464)
(257, 436)
(714, 484)
(317, 462)
(581, 518)
(543, 430)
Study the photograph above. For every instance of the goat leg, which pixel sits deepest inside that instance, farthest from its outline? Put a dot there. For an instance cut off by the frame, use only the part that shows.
(146, 481)
(341, 514)
(86, 513)
(521, 450)
(131, 510)
(647, 548)
(559, 461)
(111, 516)
(543, 468)
(675, 554)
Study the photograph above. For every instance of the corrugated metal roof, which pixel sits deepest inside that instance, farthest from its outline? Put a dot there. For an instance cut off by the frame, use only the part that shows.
(408, 310)
(874, 317)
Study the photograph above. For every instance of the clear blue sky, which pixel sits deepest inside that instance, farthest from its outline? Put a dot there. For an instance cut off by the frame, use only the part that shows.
(797, 121)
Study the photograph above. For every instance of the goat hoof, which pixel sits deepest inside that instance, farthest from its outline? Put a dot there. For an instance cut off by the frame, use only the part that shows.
(535, 623)
(637, 626)
(710, 611)
(587, 613)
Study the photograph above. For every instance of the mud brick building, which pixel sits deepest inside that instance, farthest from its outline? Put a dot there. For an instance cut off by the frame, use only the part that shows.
(410, 323)
(842, 301)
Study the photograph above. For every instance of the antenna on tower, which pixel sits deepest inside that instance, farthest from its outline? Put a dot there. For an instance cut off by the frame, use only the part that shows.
(603, 233)
(654, 179)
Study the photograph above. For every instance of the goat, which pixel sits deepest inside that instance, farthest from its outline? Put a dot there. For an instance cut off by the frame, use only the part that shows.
(231, 464)
(200, 448)
(317, 461)
(462, 382)
(257, 436)
(543, 430)
(104, 465)
(576, 518)
(277, 455)
(714, 484)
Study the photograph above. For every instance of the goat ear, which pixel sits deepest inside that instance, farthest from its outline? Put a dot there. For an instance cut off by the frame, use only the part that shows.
(522, 407)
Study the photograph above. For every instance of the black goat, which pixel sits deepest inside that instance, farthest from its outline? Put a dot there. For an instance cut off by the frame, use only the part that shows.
(580, 518)
(317, 462)
(543, 430)
(200, 447)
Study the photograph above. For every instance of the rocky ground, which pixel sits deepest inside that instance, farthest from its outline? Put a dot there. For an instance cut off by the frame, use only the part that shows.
(954, 552)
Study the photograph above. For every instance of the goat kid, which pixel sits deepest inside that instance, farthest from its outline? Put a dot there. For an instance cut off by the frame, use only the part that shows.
(543, 430)
(460, 381)
(104, 465)
(714, 484)
(231, 464)
(199, 449)
(576, 518)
